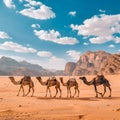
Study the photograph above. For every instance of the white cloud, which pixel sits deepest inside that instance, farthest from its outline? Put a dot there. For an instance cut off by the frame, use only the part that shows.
(37, 10)
(16, 47)
(75, 55)
(102, 11)
(9, 4)
(44, 54)
(21, 1)
(56, 63)
(33, 2)
(100, 40)
(4, 35)
(72, 13)
(51, 63)
(111, 46)
(85, 43)
(100, 29)
(55, 36)
(117, 39)
(35, 26)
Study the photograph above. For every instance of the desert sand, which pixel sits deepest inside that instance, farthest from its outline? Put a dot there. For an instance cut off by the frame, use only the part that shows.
(86, 107)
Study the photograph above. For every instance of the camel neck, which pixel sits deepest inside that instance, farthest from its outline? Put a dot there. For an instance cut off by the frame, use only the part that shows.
(64, 84)
(88, 83)
(42, 83)
(15, 82)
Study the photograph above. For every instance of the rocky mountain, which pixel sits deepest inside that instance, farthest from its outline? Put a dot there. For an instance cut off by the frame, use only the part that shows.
(9, 66)
(69, 68)
(112, 65)
(88, 63)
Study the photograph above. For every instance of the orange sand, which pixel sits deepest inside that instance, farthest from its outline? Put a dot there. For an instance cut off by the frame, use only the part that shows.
(86, 107)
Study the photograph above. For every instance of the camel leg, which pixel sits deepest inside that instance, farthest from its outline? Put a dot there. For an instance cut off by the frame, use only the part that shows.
(33, 91)
(56, 91)
(104, 90)
(60, 92)
(110, 90)
(49, 91)
(23, 90)
(46, 92)
(75, 92)
(78, 92)
(97, 91)
(19, 91)
(70, 93)
(28, 91)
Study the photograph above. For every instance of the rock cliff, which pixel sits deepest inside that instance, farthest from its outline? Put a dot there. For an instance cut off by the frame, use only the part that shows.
(88, 63)
(112, 65)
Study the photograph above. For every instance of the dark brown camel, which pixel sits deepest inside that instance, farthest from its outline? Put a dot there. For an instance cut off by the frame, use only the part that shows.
(70, 83)
(99, 80)
(49, 83)
(26, 80)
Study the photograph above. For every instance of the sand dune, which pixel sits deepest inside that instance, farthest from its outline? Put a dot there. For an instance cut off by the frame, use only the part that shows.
(86, 107)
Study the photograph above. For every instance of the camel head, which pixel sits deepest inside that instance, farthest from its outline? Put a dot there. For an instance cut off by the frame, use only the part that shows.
(82, 78)
(38, 78)
(11, 78)
(61, 79)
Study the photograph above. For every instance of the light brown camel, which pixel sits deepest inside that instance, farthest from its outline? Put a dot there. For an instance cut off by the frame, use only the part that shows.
(49, 83)
(70, 83)
(26, 80)
(96, 81)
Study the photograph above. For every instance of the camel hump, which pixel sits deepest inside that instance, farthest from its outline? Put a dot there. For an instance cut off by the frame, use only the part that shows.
(53, 78)
(72, 79)
(98, 77)
(26, 78)
(101, 78)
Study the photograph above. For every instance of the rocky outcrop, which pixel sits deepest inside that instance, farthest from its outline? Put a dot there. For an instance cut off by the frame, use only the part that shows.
(89, 63)
(69, 67)
(112, 65)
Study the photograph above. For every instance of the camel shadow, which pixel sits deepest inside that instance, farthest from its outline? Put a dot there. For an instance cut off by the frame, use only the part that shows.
(64, 98)
(80, 98)
(109, 98)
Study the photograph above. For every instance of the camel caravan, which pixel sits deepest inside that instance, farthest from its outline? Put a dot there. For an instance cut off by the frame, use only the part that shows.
(72, 82)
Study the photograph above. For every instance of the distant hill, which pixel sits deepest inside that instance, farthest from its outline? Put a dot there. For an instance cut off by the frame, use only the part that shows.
(9, 66)
(91, 63)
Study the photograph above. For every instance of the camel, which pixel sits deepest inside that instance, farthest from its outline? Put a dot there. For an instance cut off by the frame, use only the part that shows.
(26, 80)
(70, 83)
(49, 83)
(96, 81)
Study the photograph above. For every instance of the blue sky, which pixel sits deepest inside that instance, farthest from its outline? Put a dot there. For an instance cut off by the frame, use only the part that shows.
(53, 32)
